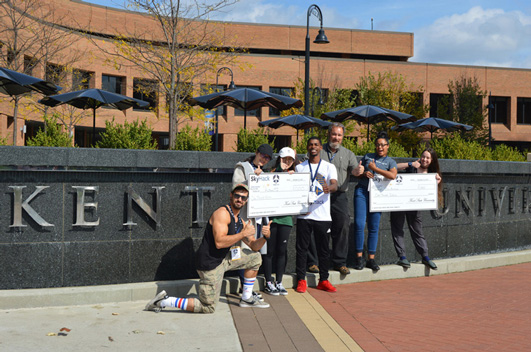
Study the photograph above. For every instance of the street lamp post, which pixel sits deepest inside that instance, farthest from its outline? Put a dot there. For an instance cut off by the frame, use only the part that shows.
(320, 39)
(320, 102)
(231, 86)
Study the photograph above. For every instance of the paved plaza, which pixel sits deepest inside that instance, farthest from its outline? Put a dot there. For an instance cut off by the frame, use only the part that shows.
(479, 310)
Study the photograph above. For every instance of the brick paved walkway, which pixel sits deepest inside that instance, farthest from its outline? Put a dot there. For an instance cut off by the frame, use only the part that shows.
(482, 310)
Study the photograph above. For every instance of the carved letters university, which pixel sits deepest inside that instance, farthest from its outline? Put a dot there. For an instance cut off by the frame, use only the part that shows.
(468, 201)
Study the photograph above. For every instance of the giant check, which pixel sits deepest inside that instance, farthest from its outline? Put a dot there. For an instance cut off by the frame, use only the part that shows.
(274, 194)
(406, 192)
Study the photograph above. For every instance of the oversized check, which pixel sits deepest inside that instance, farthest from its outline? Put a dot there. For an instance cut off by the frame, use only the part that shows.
(406, 192)
(274, 194)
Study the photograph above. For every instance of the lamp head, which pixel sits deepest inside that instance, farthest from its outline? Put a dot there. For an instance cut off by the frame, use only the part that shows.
(231, 85)
(321, 38)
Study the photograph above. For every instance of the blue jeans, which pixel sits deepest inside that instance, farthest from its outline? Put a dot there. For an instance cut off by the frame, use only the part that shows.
(362, 214)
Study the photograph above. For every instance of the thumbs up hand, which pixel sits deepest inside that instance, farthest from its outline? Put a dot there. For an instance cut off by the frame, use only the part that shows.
(358, 170)
(266, 230)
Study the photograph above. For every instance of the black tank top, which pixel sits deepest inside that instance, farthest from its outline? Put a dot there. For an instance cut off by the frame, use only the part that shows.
(208, 256)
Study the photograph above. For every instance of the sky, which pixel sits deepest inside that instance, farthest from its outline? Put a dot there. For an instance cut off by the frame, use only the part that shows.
(462, 32)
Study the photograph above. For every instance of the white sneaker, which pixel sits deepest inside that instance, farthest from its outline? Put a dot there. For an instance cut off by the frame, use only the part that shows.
(253, 302)
(154, 304)
(281, 289)
(271, 289)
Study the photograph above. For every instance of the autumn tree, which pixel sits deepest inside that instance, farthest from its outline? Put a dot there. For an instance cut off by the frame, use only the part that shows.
(31, 36)
(182, 46)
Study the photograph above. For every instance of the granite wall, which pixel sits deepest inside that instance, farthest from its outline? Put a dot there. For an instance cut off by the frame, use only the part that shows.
(74, 217)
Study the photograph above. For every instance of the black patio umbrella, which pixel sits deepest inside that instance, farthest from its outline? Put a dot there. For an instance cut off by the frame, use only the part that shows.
(93, 99)
(14, 83)
(245, 99)
(369, 114)
(432, 124)
(298, 122)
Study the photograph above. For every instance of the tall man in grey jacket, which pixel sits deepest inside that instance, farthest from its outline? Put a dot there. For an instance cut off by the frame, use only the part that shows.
(346, 164)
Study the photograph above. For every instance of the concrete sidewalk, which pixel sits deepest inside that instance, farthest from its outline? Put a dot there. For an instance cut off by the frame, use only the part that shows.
(93, 318)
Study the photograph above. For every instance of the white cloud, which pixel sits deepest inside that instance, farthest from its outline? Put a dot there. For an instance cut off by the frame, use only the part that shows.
(490, 37)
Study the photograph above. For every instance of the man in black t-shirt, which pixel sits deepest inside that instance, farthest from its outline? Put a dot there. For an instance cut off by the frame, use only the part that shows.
(221, 251)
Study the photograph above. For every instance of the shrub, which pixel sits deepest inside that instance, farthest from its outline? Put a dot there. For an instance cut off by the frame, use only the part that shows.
(249, 141)
(52, 136)
(193, 139)
(127, 136)
(503, 152)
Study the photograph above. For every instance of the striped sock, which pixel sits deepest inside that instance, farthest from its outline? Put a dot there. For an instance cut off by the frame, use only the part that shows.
(180, 303)
(248, 284)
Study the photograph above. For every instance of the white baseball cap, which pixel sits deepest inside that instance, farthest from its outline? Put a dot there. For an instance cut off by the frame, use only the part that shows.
(287, 151)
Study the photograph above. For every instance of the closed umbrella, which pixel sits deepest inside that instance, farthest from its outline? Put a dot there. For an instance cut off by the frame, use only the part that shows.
(432, 124)
(298, 122)
(245, 99)
(14, 83)
(369, 114)
(93, 99)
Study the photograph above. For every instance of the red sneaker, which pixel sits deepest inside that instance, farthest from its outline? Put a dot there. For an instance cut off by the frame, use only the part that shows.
(326, 286)
(301, 286)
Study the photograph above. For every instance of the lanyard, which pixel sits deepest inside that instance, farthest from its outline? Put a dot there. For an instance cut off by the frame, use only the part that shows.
(237, 225)
(313, 177)
(331, 156)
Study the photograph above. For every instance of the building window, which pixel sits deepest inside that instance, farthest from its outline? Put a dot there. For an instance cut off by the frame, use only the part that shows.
(146, 90)
(82, 79)
(523, 111)
(55, 73)
(238, 112)
(112, 84)
(500, 109)
(436, 106)
(280, 91)
(29, 64)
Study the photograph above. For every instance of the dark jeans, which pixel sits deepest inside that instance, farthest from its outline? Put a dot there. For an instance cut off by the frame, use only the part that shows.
(322, 240)
(340, 229)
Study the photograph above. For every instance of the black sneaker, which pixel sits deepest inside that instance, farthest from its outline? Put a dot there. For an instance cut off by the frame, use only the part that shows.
(359, 263)
(271, 289)
(371, 264)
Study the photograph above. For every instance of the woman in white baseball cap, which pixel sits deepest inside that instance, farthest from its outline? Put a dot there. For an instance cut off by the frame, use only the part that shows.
(277, 245)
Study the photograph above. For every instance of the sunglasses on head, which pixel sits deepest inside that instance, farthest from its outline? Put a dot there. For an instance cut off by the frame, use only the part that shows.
(238, 196)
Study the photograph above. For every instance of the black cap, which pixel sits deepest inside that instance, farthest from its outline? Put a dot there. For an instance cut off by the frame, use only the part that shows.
(266, 150)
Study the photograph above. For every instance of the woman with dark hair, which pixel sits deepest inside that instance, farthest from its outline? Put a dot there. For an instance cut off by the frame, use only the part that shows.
(277, 244)
(376, 166)
(428, 163)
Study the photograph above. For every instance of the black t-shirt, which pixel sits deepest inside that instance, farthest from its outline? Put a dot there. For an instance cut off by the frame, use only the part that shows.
(208, 256)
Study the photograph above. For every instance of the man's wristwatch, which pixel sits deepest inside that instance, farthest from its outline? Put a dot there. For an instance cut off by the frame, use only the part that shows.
(410, 164)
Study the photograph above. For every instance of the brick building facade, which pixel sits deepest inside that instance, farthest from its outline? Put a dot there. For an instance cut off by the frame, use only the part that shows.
(274, 59)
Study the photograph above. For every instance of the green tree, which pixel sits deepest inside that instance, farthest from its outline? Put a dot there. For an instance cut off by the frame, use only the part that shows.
(391, 90)
(464, 104)
(193, 139)
(52, 135)
(249, 141)
(127, 136)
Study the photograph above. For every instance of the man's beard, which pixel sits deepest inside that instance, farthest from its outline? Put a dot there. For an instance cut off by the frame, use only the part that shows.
(334, 145)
